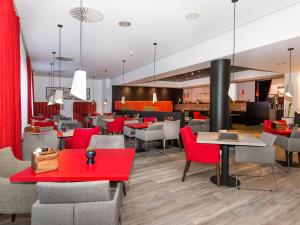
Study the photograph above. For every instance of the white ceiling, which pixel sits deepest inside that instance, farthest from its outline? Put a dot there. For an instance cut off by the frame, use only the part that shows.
(105, 44)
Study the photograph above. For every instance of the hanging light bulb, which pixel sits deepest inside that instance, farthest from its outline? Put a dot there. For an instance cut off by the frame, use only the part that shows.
(154, 96)
(59, 93)
(123, 97)
(105, 99)
(78, 88)
(243, 90)
(288, 89)
(233, 92)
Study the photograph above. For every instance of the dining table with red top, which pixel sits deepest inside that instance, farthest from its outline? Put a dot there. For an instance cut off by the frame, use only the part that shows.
(140, 125)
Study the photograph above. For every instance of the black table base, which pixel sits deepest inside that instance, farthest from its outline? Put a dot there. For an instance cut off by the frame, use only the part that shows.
(230, 181)
(140, 146)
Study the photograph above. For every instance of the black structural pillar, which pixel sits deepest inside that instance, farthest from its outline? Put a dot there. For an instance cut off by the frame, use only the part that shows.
(219, 99)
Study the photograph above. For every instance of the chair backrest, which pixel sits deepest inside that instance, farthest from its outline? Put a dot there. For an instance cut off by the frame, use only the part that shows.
(73, 125)
(81, 137)
(267, 123)
(295, 134)
(194, 122)
(33, 140)
(73, 192)
(153, 127)
(87, 118)
(196, 115)
(268, 138)
(150, 119)
(107, 141)
(171, 129)
(7, 162)
(187, 137)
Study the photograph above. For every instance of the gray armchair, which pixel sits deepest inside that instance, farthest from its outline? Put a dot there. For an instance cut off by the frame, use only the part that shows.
(260, 155)
(290, 144)
(107, 141)
(171, 130)
(33, 140)
(154, 132)
(15, 198)
(78, 203)
(199, 125)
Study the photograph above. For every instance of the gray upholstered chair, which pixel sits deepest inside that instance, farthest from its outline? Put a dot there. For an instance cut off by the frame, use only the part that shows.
(33, 140)
(154, 132)
(289, 144)
(127, 131)
(171, 130)
(78, 203)
(107, 141)
(46, 129)
(259, 155)
(199, 125)
(15, 198)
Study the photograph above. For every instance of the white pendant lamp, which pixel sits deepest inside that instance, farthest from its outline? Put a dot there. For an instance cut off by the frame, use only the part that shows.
(78, 88)
(233, 92)
(105, 99)
(154, 96)
(123, 97)
(50, 78)
(288, 90)
(59, 93)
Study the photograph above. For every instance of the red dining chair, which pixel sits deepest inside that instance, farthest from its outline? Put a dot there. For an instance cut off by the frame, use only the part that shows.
(117, 125)
(197, 115)
(81, 138)
(267, 126)
(150, 119)
(200, 153)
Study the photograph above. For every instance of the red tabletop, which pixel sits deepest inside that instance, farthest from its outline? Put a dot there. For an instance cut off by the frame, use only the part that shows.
(285, 132)
(137, 125)
(111, 164)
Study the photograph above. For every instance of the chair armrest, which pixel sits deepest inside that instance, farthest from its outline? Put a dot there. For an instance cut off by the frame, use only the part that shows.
(282, 141)
(260, 155)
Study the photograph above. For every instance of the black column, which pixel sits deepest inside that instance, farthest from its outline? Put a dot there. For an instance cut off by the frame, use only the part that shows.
(219, 100)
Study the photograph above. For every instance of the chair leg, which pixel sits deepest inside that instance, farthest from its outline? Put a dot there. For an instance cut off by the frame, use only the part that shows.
(218, 174)
(179, 144)
(124, 189)
(164, 144)
(299, 157)
(186, 169)
(13, 218)
(288, 161)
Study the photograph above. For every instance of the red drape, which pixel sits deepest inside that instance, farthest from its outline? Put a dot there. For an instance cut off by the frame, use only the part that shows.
(10, 99)
(29, 85)
(80, 109)
(45, 109)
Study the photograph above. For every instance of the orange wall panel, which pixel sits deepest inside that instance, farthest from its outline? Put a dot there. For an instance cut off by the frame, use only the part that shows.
(160, 106)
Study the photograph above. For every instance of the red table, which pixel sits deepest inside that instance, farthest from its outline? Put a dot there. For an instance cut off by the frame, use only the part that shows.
(137, 125)
(111, 164)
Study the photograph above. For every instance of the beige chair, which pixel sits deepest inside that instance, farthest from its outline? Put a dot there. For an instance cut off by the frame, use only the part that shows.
(171, 130)
(107, 141)
(15, 198)
(33, 140)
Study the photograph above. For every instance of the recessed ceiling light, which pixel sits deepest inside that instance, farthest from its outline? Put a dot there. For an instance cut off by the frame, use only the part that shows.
(131, 53)
(124, 24)
(192, 73)
(192, 16)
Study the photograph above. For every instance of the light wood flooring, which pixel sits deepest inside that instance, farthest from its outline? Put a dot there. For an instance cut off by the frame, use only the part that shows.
(156, 195)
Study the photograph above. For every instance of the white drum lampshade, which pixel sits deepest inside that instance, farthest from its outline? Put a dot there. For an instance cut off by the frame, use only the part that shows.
(123, 100)
(232, 92)
(79, 85)
(59, 96)
(105, 102)
(154, 97)
(288, 91)
(51, 100)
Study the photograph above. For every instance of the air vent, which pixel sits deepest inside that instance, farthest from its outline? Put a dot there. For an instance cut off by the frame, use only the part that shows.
(85, 14)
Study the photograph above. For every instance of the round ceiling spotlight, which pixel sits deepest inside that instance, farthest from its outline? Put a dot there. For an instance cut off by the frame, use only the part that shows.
(85, 14)
(192, 16)
(124, 24)
(64, 58)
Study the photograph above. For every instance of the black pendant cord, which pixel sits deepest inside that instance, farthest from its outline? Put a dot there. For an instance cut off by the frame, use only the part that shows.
(80, 36)
(59, 53)
(234, 28)
(123, 71)
(53, 68)
(154, 64)
(290, 50)
(105, 71)
(94, 88)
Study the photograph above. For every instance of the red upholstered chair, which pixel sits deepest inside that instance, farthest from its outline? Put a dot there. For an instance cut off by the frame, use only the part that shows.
(150, 119)
(117, 125)
(200, 153)
(197, 115)
(81, 138)
(267, 126)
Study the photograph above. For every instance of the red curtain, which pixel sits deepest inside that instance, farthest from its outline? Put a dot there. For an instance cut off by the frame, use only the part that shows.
(10, 99)
(45, 109)
(29, 85)
(80, 109)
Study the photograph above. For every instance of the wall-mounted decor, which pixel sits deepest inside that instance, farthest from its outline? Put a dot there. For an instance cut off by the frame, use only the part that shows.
(67, 93)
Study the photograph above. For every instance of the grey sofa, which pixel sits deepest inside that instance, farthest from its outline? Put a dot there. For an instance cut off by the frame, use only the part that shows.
(107, 141)
(15, 198)
(78, 203)
(33, 140)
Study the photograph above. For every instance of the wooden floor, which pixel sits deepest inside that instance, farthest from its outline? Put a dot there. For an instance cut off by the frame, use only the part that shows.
(156, 195)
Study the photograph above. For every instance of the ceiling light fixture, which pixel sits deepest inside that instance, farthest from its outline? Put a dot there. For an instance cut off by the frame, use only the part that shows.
(105, 99)
(79, 80)
(59, 93)
(124, 24)
(289, 89)
(123, 97)
(154, 95)
(232, 92)
(192, 16)
(88, 15)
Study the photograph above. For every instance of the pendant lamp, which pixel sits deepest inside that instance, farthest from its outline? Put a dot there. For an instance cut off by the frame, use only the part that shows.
(123, 97)
(233, 92)
(78, 88)
(50, 79)
(105, 99)
(154, 96)
(59, 93)
(288, 90)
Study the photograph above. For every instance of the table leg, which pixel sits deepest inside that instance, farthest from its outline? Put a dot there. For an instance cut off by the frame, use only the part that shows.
(226, 180)
(140, 146)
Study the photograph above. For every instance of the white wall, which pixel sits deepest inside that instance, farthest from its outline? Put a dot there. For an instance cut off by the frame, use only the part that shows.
(277, 82)
(24, 87)
(41, 82)
(295, 100)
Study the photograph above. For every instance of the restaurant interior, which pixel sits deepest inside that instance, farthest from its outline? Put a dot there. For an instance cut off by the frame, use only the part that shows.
(148, 112)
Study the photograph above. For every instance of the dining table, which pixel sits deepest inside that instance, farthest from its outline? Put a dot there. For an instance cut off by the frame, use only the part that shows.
(62, 135)
(244, 139)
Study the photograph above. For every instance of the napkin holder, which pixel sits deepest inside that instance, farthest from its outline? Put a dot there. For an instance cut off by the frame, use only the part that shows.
(225, 135)
(44, 161)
